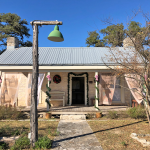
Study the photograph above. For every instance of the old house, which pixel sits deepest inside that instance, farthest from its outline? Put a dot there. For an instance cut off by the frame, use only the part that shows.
(72, 71)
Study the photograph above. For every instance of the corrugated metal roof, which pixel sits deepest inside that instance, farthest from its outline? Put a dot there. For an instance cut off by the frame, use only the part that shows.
(56, 56)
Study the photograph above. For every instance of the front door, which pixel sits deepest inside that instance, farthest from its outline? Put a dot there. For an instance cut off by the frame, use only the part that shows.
(78, 90)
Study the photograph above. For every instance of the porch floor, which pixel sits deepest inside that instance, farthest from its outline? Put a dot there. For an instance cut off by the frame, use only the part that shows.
(78, 109)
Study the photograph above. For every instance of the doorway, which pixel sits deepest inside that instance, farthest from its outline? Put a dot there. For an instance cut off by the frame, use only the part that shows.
(78, 90)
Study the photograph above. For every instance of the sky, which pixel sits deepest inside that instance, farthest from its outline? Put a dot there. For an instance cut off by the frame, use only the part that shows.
(78, 16)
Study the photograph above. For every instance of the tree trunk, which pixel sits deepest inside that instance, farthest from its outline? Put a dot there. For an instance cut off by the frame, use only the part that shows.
(147, 100)
(35, 74)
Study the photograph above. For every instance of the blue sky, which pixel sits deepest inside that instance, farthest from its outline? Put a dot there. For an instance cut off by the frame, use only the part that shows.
(78, 16)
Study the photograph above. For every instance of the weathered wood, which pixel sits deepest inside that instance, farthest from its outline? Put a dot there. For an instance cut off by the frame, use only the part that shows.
(46, 22)
(35, 74)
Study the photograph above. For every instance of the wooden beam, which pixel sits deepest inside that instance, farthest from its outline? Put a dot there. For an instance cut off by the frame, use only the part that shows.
(46, 22)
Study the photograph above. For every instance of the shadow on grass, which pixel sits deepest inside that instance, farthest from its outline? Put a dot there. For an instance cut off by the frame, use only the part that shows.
(56, 143)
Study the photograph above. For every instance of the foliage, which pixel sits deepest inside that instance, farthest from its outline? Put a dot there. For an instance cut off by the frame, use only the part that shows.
(123, 143)
(4, 145)
(43, 142)
(13, 131)
(90, 115)
(134, 28)
(16, 132)
(133, 63)
(112, 114)
(96, 79)
(21, 143)
(122, 114)
(93, 40)
(10, 113)
(48, 94)
(11, 25)
(137, 112)
(113, 34)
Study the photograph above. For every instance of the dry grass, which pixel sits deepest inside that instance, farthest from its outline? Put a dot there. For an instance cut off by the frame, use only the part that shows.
(115, 134)
(44, 128)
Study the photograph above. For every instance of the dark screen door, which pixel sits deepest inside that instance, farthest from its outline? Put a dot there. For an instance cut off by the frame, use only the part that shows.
(77, 90)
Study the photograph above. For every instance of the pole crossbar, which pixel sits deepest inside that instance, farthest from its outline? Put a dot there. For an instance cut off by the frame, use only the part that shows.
(46, 22)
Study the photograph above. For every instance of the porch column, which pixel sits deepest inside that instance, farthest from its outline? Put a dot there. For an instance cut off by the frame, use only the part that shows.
(48, 86)
(0, 85)
(96, 93)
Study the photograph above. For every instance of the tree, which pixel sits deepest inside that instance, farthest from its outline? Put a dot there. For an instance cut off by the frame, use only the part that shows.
(134, 28)
(114, 35)
(134, 63)
(12, 25)
(94, 40)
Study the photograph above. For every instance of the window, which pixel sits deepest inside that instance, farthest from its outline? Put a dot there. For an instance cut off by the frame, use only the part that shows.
(117, 93)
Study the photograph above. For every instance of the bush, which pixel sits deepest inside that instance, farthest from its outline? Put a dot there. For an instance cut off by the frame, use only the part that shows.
(21, 143)
(43, 142)
(90, 116)
(137, 112)
(9, 113)
(15, 132)
(122, 114)
(4, 145)
(112, 114)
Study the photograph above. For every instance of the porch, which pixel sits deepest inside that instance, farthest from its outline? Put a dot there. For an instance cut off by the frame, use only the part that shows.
(78, 109)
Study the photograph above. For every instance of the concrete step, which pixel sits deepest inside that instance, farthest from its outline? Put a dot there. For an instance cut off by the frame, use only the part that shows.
(72, 117)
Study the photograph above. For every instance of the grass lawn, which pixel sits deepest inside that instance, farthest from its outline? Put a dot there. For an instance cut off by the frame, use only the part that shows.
(22, 128)
(115, 134)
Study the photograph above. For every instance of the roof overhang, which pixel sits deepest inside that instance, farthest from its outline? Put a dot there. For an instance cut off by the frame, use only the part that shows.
(55, 68)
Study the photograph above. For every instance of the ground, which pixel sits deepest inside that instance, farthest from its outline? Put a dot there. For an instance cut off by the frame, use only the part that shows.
(115, 134)
(10, 128)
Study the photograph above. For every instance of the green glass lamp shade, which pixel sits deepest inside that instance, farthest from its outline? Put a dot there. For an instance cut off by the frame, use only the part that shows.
(56, 35)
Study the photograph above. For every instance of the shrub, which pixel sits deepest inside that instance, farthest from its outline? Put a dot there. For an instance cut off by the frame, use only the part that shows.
(4, 145)
(21, 143)
(2, 131)
(122, 114)
(137, 112)
(123, 143)
(15, 132)
(10, 113)
(90, 116)
(43, 142)
(112, 114)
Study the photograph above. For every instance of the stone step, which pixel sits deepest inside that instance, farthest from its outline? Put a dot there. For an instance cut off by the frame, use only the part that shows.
(72, 117)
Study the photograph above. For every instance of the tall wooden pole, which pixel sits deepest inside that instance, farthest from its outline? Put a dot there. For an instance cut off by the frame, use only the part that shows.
(35, 74)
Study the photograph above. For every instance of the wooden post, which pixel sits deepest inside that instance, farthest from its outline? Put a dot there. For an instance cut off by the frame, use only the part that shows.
(35, 74)
(48, 86)
(96, 93)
